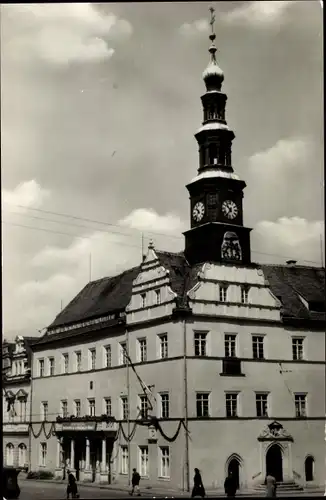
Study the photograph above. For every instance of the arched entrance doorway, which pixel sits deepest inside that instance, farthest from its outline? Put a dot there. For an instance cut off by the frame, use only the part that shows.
(274, 462)
(233, 468)
(309, 468)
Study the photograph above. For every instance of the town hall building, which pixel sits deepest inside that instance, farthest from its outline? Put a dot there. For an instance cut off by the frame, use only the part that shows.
(156, 368)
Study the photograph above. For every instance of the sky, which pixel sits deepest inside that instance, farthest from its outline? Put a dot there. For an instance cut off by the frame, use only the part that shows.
(99, 106)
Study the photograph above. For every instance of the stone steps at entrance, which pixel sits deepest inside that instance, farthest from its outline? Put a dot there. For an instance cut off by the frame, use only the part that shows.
(281, 486)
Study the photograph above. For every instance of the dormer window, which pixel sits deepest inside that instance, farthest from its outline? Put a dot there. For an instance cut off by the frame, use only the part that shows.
(223, 290)
(143, 299)
(244, 294)
(316, 306)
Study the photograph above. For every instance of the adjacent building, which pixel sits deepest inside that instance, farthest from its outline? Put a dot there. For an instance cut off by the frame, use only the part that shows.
(217, 340)
(16, 401)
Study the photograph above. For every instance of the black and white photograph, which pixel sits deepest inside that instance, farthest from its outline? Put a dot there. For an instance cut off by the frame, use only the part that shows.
(163, 250)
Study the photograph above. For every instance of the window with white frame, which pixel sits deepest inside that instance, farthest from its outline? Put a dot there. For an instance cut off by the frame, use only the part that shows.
(51, 367)
(202, 404)
(43, 453)
(92, 359)
(64, 408)
(143, 300)
(142, 350)
(107, 356)
(143, 403)
(44, 410)
(22, 409)
(230, 345)
(300, 402)
(122, 353)
(231, 403)
(77, 407)
(124, 407)
(244, 294)
(223, 292)
(165, 405)
(164, 348)
(297, 348)
(41, 367)
(158, 296)
(262, 404)
(124, 459)
(143, 461)
(108, 407)
(10, 454)
(78, 356)
(200, 341)
(258, 346)
(22, 455)
(65, 363)
(165, 461)
(91, 407)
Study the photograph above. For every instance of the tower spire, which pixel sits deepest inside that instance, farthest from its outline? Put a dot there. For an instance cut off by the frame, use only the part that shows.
(212, 50)
(213, 75)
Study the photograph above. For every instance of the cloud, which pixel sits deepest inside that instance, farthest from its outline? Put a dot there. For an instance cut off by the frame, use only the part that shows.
(145, 219)
(289, 238)
(198, 26)
(28, 194)
(259, 13)
(77, 33)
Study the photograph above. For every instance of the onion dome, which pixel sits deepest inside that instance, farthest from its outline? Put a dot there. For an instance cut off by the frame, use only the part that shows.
(213, 75)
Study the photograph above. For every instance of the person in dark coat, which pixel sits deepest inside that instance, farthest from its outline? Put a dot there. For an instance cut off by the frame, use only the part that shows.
(230, 485)
(198, 489)
(135, 482)
(72, 485)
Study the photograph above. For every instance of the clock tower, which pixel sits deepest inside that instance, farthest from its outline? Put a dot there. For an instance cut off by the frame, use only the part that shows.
(217, 232)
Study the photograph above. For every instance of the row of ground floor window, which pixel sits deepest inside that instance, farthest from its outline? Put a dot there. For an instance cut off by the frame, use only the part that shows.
(16, 456)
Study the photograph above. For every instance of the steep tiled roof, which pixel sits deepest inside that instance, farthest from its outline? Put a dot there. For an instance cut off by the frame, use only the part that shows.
(110, 295)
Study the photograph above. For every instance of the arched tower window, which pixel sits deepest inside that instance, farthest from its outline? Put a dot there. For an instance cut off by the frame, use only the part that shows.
(213, 154)
(309, 468)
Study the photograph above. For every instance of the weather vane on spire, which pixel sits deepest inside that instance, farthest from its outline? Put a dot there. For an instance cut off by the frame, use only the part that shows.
(212, 21)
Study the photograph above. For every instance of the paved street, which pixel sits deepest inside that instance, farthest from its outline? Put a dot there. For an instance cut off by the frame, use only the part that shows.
(34, 490)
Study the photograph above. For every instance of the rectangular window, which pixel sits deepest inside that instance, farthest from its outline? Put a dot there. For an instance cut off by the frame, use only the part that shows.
(77, 408)
(297, 348)
(200, 340)
(107, 356)
(143, 300)
(64, 409)
(158, 296)
(202, 404)
(143, 461)
(231, 402)
(300, 401)
(65, 363)
(223, 292)
(92, 359)
(244, 294)
(165, 461)
(22, 410)
(143, 406)
(108, 407)
(91, 407)
(164, 350)
(262, 405)
(258, 347)
(44, 410)
(43, 453)
(78, 360)
(230, 345)
(142, 346)
(124, 407)
(122, 353)
(124, 464)
(165, 405)
(51, 367)
(41, 367)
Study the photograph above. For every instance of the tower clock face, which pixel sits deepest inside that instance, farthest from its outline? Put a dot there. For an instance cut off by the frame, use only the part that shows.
(229, 209)
(198, 211)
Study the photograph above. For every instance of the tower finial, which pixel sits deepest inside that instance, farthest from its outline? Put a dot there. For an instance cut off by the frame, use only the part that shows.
(213, 75)
(212, 36)
(212, 21)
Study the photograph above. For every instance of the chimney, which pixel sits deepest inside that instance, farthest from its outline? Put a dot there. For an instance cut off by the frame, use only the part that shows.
(291, 263)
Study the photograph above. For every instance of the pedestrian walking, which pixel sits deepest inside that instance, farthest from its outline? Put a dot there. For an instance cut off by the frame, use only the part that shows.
(72, 486)
(270, 483)
(230, 485)
(135, 482)
(198, 489)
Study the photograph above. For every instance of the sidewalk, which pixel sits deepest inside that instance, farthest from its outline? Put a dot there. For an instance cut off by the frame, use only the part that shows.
(166, 491)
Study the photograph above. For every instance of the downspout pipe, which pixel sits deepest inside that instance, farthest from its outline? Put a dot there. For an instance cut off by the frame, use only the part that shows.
(185, 386)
